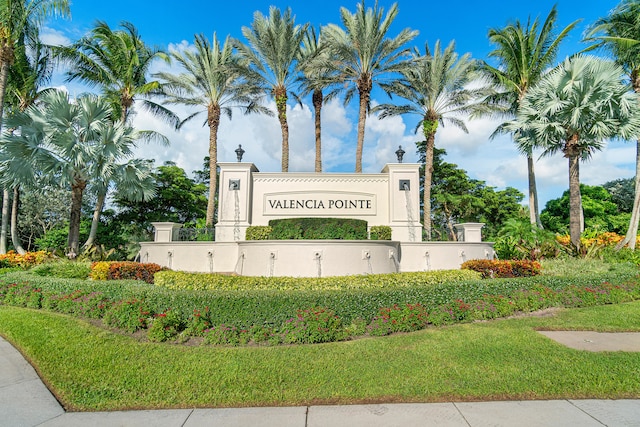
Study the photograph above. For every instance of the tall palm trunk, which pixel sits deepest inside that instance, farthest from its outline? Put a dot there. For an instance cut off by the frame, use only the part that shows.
(6, 58)
(365, 94)
(125, 103)
(15, 237)
(574, 200)
(632, 231)
(73, 243)
(534, 211)
(213, 118)
(5, 221)
(281, 105)
(317, 99)
(428, 177)
(93, 233)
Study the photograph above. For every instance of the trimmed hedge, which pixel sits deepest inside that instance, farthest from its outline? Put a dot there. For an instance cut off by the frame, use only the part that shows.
(180, 280)
(245, 309)
(258, 232)
(490, 269)
(318, 228)
(124, 270)
(380, 232)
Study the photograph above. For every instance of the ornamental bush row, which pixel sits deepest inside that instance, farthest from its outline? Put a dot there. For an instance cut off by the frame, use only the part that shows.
(14, 259)
(310, 325)
(295, 231)
(490, 269)
(124, 270)
(206, 281)
(244, 307)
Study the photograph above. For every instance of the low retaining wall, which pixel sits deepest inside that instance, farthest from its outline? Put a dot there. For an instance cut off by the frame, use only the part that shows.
(312, 258)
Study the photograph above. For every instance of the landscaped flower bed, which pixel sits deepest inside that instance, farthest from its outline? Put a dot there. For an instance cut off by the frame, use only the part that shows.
(233, 317)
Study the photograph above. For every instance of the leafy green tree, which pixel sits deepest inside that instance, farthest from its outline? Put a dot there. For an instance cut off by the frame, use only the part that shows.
(622, 193)
(362, 54)
(178, 198)
(61, 140)
(600, 212)
(437, 88)
(619, 33)
(42, 209)
(524, 54)
(211, 81)
(18, 20)
(272, 55)
(572, 110)
(457, 198)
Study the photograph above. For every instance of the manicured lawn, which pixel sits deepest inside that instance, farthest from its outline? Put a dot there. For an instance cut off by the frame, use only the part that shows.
(89, 368)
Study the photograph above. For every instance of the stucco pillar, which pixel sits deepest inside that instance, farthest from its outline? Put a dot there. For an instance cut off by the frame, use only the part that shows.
(469, 231)
(164, 231)
(404, 201)
(234, 201)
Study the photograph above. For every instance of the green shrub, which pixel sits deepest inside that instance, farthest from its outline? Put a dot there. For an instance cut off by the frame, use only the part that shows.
(318, 228)
(63, 268)
(406, 318)
(132, 270)
(165, 326)
(313, 325)
(380, 232)
(491, 269)
(258, 232)
(99, 270)
(198, 322)
(209, 281)
(29, 259)
(129, 315)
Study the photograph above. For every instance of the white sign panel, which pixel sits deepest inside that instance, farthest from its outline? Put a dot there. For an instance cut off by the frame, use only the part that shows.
(319, 203)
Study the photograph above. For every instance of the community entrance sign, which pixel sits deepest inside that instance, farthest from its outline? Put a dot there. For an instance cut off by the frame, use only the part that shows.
(248, 197)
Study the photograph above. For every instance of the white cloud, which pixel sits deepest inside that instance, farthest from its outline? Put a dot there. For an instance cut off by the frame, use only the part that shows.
(54, 37)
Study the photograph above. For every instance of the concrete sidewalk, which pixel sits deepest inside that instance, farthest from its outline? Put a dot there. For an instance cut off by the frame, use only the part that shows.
(25, 401)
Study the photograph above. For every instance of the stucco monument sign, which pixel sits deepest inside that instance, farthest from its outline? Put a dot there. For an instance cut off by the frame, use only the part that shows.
(247, 197)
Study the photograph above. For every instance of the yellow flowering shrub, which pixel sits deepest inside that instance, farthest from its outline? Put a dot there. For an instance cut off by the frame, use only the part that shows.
(14, 259)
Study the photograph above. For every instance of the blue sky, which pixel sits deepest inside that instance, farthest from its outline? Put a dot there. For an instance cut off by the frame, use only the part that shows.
(172, 25)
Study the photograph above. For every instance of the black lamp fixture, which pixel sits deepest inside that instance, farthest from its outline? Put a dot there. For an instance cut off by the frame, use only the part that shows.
(400, 153)
(239, 152)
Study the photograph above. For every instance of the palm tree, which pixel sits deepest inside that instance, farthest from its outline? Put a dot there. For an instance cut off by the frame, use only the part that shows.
(315, 79)
(620, 34)
(17, 19)
(524, 54)
(362, 54)
(210, 81)
(437, 90)
(32, 68)
(118, 62)
(572, 110)
(271, 55)
(61, 140)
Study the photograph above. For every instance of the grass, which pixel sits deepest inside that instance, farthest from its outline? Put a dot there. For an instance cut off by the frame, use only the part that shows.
(89, 368)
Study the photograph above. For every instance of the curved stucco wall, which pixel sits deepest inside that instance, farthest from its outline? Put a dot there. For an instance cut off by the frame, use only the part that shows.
(308, 258)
